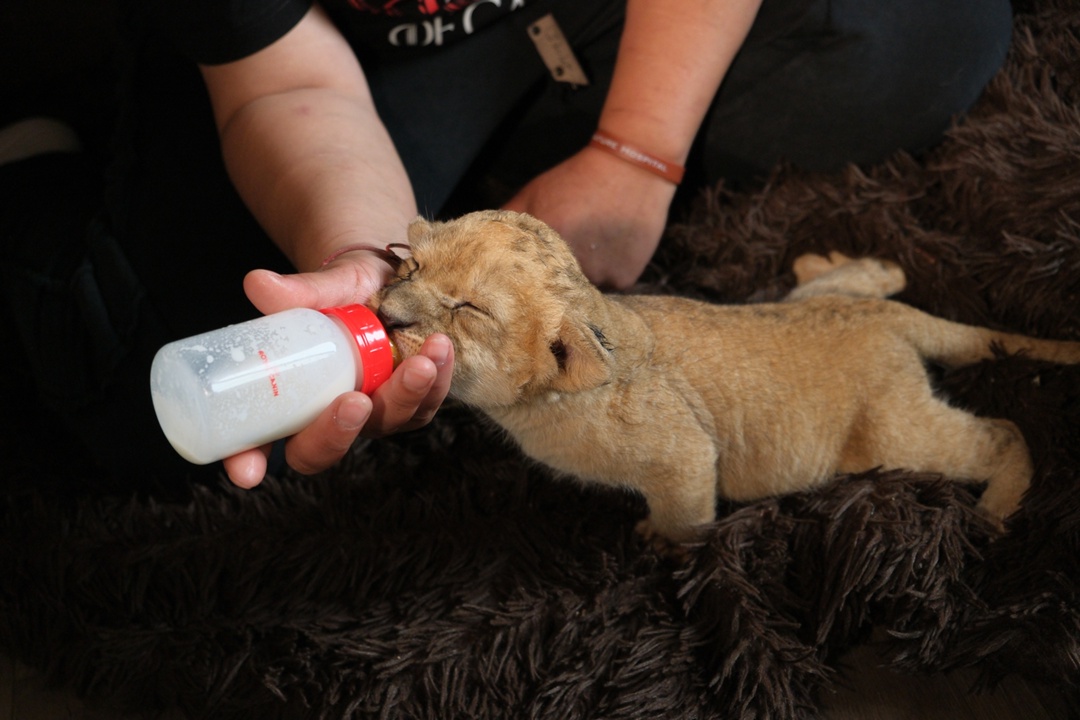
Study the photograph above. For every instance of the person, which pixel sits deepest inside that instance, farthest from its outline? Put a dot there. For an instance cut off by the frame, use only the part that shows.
(259, 139)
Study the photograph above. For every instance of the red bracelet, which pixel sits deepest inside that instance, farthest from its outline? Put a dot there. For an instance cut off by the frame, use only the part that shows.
(670, 171)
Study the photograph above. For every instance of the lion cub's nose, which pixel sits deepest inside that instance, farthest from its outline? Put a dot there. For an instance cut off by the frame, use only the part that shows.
(391, 322)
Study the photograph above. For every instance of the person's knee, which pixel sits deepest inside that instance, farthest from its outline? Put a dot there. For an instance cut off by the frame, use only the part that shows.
(945, 74)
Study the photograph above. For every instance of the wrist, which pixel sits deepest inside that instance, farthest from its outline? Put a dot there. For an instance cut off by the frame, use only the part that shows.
(321, 236)
(628, 191)
(634, 155)
(657, 134)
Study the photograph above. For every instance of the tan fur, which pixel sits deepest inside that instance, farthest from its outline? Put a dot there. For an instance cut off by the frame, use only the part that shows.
(682, 400)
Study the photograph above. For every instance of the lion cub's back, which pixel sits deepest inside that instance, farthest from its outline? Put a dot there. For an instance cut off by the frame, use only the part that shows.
(828, 337)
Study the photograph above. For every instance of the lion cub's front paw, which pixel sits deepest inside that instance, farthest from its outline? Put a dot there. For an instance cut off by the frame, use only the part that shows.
(660, 543)
(996, 523)
(997, 510)
(811, 266)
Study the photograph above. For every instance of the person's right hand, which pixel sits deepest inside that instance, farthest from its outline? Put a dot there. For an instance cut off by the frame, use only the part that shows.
(407, 400)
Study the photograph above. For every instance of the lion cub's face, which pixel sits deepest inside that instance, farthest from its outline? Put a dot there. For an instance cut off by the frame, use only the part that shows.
(509, 294)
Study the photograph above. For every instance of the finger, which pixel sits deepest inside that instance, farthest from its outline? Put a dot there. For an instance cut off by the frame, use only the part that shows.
(247, 469)
(415, 391)
(440, 351)
(323, 443)
(396, 402)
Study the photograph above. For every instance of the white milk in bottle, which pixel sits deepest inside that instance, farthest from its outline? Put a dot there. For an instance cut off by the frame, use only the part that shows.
(248, 384)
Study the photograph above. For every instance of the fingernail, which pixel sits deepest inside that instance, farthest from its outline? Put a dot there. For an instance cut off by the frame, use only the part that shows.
(439, 350)
(351, 415)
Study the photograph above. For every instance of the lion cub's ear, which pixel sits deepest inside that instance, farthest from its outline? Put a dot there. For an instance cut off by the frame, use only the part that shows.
(418, 229)
(583, 355)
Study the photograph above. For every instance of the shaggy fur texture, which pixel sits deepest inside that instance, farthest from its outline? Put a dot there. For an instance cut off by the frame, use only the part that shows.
(438, 575)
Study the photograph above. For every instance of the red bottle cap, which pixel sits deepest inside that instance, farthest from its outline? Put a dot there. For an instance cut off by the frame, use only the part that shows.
(376, 350)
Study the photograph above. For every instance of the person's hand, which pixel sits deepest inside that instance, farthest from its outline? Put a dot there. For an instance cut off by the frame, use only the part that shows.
(407, 400)
(611, 213)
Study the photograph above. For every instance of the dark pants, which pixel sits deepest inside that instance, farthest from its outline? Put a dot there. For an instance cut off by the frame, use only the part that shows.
(819, 84)
(94, 283)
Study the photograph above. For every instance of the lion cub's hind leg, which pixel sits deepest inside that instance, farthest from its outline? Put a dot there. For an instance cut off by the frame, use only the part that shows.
(1011, 478)
(931, 436)
(838, 274)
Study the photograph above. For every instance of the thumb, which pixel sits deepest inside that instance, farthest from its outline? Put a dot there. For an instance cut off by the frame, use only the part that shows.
(341, 283)
(270, 292)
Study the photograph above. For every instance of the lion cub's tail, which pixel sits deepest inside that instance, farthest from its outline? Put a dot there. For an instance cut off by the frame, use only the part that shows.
(955, 344)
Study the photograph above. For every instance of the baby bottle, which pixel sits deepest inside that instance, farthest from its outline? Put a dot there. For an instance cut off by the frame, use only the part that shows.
(248, 384)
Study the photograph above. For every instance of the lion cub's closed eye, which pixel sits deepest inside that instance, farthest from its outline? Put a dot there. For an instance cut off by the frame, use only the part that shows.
(683, 400)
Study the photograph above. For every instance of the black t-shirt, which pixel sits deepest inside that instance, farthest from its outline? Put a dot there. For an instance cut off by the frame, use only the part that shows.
(219, 31)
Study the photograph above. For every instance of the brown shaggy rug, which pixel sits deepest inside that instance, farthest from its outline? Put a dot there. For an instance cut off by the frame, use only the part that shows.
(439, 575)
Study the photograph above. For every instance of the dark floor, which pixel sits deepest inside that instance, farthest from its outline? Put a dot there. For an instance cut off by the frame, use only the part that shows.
(874, 694)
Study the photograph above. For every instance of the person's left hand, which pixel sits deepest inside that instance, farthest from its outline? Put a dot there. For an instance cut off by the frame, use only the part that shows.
(611, 213)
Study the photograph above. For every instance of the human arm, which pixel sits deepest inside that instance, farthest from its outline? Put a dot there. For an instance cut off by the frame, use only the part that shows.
(312, 161)
(672, 58)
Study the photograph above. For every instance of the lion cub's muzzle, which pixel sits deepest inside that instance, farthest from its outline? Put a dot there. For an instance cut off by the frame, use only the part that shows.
(391, 322)
(401, 332)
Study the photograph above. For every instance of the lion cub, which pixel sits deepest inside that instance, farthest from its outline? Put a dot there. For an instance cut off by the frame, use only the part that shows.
(681, 400)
